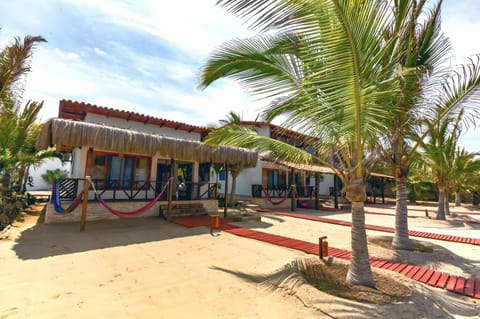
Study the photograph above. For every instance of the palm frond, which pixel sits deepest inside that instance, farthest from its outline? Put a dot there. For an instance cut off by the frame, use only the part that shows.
(14, 62)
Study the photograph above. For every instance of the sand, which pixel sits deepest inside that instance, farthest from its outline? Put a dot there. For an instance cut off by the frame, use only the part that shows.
(148, 268)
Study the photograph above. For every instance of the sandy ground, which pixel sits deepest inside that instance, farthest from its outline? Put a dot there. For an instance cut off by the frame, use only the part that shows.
(148, 268)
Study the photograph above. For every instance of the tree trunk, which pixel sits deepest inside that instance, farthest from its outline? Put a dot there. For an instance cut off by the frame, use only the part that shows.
(447, 202)
(400, 238)
(21, 179)
(441, 203)
(458, 199)
(359, 272)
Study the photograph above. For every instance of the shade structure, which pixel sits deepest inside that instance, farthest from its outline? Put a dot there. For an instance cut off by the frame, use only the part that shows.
(65, 134)
(300, 166)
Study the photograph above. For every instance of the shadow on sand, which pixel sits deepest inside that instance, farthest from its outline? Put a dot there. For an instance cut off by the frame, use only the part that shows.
(425, 302)
(46, 240)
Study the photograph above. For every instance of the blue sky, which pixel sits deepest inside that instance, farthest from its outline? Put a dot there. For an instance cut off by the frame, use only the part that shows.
(145, 56)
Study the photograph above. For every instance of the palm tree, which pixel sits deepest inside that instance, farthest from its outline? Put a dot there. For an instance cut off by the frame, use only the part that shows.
(16, 120)
(50, 176)
(464, 172)
(423, 51)
(438, 153)
(330, 70)
(420, 48)
(233, 119)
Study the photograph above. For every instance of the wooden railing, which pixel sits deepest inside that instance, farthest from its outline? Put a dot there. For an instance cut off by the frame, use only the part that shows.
(116, 190)
(279, 192)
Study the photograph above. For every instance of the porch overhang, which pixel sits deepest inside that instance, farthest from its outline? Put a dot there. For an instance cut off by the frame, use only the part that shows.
(301, 167)
(67, 134)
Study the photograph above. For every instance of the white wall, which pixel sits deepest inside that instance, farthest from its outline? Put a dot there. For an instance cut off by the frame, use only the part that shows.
(36, 173)
(326, 183)
(140, 127)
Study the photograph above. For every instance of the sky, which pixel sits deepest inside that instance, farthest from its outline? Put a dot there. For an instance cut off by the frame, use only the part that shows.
(146, 55)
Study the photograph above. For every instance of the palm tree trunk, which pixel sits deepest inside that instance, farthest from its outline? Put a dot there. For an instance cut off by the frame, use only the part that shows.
(458, 199)
(401, 239)
(447, 202)
(447, 207)
(6, 179)
(441, 203)
(359, 272)
(21, 178)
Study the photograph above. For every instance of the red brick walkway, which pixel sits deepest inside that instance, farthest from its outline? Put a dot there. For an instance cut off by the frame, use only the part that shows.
(460, 285)
(458, 239)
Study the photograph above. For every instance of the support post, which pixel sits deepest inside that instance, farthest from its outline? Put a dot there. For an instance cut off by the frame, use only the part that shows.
(335, 193)
(293, 190)
(86, 187)
(225, 209)
(170, 189)
(83, 218)
(382, 188)
(317, 190)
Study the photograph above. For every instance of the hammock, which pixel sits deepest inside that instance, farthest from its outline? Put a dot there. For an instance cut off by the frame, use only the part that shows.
(57, 203)
(270, 199)
(132, 213)
(306, 203)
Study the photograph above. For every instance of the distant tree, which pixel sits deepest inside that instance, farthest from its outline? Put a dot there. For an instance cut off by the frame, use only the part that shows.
(438, 154)
(50, 176)
(464, 173)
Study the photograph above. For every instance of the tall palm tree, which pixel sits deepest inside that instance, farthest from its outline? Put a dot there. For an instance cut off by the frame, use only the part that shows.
(331, 72)
(423, 53)
(420, 47)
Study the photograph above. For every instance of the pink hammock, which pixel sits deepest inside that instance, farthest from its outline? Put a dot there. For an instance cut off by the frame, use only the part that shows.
(306, 203)
(132, 213)
(270, 199)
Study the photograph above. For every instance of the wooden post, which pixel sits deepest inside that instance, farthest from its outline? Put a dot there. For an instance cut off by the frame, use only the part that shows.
(86, 187)
(170, 189)
(225, 209)
(382, 189)
(293, 202)
(335, 186)
(317, 190)
(293, 190)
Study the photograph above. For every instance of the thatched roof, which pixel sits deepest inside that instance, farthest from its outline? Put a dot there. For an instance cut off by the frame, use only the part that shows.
(300, 167)
(67, 134)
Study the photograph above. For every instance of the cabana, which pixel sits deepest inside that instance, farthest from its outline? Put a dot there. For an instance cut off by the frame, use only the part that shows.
(122, 165)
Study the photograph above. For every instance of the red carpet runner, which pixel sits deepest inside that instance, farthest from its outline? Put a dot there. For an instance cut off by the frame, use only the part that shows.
(460, 285)
(458, 239)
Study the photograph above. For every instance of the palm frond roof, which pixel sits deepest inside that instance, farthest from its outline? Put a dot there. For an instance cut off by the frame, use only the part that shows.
(66, 134)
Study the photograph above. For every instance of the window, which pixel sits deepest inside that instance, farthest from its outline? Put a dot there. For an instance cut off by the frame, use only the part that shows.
(119, 171)
(274, 178)
(204, 172)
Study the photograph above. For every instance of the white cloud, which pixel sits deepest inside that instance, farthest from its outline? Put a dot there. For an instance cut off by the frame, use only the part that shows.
(66, 55)
(193, 26)
(100, 52)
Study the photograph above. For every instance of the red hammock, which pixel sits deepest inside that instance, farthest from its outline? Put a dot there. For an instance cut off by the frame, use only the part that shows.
(306, 203)
(132, 213)
(270, 200)
(57, 203)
